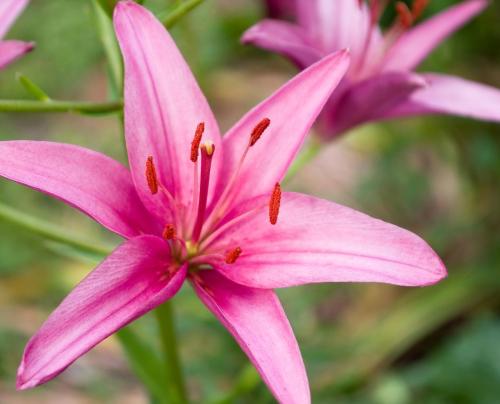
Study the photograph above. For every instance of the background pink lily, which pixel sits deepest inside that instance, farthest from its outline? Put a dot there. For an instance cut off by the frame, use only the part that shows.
(207, 211)
(380, 83)
(11, 50)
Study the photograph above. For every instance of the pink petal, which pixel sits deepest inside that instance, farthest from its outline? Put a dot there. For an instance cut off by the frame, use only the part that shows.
(12, 50)
(284, 38)
(335, 25)
(163, 103)
(319, 241)
(453, 96)
(257, 321)
(417, 43)
(370, 100)
(292, 111)
(9, 11)
(128, 284)
(89, 181)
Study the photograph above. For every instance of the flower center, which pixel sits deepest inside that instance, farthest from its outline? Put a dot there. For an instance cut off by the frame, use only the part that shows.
(192, 232)
(405, 18)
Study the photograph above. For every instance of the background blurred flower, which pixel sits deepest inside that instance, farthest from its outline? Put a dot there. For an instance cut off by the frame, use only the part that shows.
(11, 50)
(381, 83)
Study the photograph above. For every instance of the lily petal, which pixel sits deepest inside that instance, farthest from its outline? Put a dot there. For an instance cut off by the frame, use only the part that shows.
(413, 46)
(9, 11)
(292, 111)
(91, 182)
(129, 283)
(319, 241)
(330, 23)
(257, 321)
(370, 100)
(12, 50)
(163, 104)
(285, 38)
(454, 96)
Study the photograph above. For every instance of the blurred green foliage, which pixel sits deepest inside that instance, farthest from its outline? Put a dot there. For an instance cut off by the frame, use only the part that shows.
(437, 176)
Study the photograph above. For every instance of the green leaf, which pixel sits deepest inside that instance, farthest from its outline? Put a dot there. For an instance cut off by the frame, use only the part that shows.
(51, 232)
(111, 48)
(32, 88)
(171, 18)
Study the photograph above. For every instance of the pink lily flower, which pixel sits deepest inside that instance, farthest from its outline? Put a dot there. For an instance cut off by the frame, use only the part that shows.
(11, 50)
(207, 211)
(381, 82)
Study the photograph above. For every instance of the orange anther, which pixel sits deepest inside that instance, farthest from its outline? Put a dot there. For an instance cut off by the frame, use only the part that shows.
(259, 130)
(274, 204)
(151, 175)
(195, 144)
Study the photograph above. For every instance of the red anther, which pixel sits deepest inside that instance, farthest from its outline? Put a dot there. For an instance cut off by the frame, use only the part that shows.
(259, 130)
(418, 8)
(169, 232)
(233, 255)
(405, 16)
(195, 144)
(376, 9)
(274, 204)
(151, 175)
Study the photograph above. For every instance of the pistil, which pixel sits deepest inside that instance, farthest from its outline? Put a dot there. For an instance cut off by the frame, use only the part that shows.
(229, 192)
(207, 151)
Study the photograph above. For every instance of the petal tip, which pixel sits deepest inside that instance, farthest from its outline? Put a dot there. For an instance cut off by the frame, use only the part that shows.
(21, 382)
(123, 5)
(30, 46)
(436, 274)
(250, 34)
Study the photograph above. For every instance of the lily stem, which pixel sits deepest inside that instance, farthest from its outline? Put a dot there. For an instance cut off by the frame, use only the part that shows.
(165, 318)
(60, 106)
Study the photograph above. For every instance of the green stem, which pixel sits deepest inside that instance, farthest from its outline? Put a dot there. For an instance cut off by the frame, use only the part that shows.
(49, 231)
(60, 106)
(165, 317)
(171, 18)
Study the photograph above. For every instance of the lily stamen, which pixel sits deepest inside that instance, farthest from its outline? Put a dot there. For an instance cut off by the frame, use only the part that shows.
(151, 177)
(233, 255)
(405, 16)
(169, 232)
(259, 130)
(274, 204)
(195, 144)
(418, 8)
